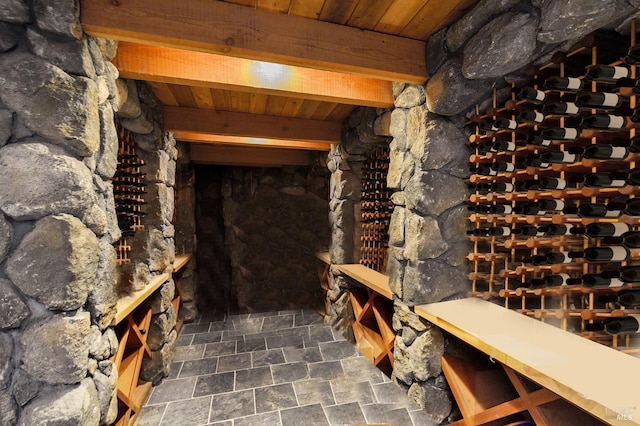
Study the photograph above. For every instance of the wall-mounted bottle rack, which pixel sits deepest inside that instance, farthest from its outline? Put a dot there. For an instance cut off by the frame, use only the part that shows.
(128, 191)
(556, 221)
(376, 209)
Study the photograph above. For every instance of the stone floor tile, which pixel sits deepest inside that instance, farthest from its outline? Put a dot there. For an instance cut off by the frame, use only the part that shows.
(290, 372)
(214, 383)
(253, 378)
(314, 391)
(309, 415)
(275, 397)
(210, 337)
(390, 393)
(218, 349)
(263, 419)
(221, 326)
(302, 354)
(199, 367)
(248, 325)
(307, 318)
(347, 390)
(290, 312)
(184, 340)
(345, 414)
(325, 370)
(226, 406)
(174, 370)
(249, 345)
(225, 423)
(268, 357)
(284, 341)
(190, 412)
(151, 415)
(320, 333)
(337, 350)
(277, 322)
(421, 418)
(185, 353)
(262, 314)
(361, 368)
(195, 328)
(234, 362)
(232, 336)
(337, 335)
(386, 413)
(295, 331)
(172, 390)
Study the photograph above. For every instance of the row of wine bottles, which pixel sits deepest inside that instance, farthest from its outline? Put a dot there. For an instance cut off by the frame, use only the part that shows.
(612, 209)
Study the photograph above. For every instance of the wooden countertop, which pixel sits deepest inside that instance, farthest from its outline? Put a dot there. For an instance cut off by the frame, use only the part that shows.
(374, 280)
(600, 380)
(127, 304)
(324, 257)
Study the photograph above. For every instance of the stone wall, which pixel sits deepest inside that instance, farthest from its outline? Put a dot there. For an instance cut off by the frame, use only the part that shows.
(484, 50)
(59, 96)
(275, 220)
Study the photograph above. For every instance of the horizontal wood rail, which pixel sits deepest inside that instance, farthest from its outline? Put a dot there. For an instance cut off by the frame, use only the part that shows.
(374, 280)
(601, 381)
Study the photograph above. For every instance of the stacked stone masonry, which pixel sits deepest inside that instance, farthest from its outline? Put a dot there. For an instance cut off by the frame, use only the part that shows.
(484, 51)
(59, 97)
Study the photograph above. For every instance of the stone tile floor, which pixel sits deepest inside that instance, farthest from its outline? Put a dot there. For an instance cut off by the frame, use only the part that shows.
(280, 368)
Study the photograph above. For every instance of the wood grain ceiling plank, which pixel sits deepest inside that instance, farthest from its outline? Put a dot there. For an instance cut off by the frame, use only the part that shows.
(240, 101)
(218, 27)
(253, 157)
(324, 110)
(306, 8)
(183, 95)
(243, 141)
(433, 17)
(398, 16)
(167, 65)
(368, 13)
(279, 6)
(292, 107)
(275, 105)
(163, 93)
(308, 108)
(249, 125)
(340, 112)
(258, 103)
(202, 97)
(250, 3)
(221, 99)
(337, 11)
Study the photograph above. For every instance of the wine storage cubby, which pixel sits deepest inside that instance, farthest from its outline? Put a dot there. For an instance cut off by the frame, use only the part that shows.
(554, 206)
(376, 209)
(128, 191)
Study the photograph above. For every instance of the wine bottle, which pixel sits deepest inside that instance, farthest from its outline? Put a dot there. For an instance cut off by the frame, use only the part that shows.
(603, 279)
(561, 108)
(605, 152)
(560, 279)
(605, 180)
(530, 231)
(539, 96)
(507, 187)
(602, 100)
(600, 230)
(631, 239)
(630, 274)
(553, 183)
(560, 133)
(609, 121)
(487, 126)
(564, 229)
(503, 145)
(559, 157)
(606, 254)
(554, 205)
(607, 73)
(629, 298)
(622, 325)
(535, 283)
(569, 84)
(505, 123)
(632, 207)
(633, 55)
(555, 257)
(530, 117)
(501, 209)
(538, 140)
(611, 209)
(500, 231)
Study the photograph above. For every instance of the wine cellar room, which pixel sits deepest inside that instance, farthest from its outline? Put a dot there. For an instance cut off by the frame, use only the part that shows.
(327, 212)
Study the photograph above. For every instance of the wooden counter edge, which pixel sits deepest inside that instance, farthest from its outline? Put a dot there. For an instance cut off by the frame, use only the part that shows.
(127, 304)
(181, 260)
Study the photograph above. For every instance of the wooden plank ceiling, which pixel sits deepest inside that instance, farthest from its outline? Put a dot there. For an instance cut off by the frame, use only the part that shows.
(238, 77)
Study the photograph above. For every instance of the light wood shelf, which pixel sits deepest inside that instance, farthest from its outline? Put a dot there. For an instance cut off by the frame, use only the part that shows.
(324, 257)
(374, 280)
(127, 304)
(598, 379)
(181, 260)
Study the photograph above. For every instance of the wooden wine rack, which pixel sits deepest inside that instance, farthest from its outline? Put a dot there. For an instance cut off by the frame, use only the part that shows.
(498, 272)
(128, 189)
(376, 208)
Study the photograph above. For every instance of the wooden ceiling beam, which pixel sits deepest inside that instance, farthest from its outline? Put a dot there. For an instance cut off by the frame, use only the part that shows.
(175, 66)
(233, 30)
(212, 122)
(204, 138)
(248, 157)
